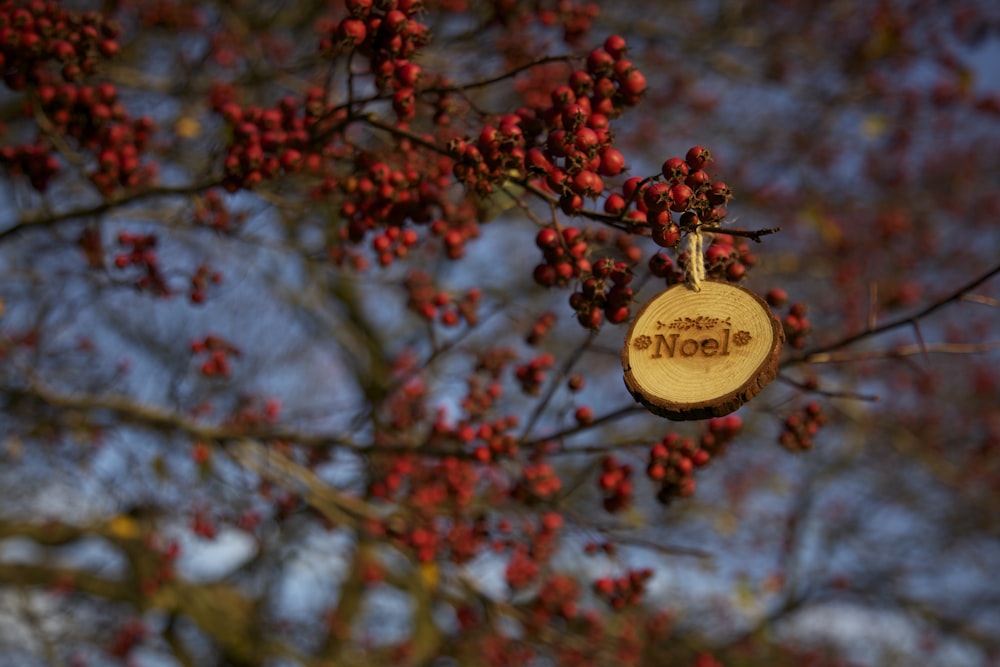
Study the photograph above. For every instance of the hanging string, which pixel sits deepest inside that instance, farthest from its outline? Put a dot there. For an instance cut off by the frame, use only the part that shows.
(695, 259)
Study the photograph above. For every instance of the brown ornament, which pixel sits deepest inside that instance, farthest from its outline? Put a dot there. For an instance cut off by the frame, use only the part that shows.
(699, 354)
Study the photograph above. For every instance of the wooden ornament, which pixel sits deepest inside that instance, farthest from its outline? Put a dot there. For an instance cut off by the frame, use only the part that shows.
(699, 354)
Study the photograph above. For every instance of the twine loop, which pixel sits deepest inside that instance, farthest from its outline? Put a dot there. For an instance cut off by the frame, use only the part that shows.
(694, 244)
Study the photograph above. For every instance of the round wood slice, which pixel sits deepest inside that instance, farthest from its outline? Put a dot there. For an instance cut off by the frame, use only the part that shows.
(698, 354)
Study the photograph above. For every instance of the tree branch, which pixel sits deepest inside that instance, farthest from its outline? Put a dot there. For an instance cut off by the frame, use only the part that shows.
(809, 356)
(40, 219)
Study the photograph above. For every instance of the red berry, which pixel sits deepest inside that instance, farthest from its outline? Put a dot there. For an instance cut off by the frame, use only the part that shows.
(615, 45)
(666, 236)
(657, 197)
(633, 85)
(352, 32)
(697, 157)
(777, 297)
(630, 186)
(588, 183)
(612, 162)
(680, 198)
(599, 60)
(616, 315)
(547, 238)
(614, 204)
(675, 170)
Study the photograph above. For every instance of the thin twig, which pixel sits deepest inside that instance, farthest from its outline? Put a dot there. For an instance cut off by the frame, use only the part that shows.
(827, 392)
(753, 234)
(556, 382)
(607, 417)
(40, 220)
(821, 354)
(906, 351)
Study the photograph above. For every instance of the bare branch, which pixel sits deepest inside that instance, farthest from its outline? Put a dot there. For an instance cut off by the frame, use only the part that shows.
(906, 351)
(41, 219)
(827, 392)
(822, 352)
(338, 507)
(753, 234)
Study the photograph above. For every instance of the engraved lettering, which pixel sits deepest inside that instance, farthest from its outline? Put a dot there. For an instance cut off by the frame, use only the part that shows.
(661, 342)
(670, 345)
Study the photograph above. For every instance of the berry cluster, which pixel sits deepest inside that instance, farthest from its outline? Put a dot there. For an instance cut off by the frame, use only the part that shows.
(200, 282)
(574, 18)
(436, 305)
(389, 35)
(615, 482)
(404, 408)
(577, 152)
(252, 411)
(604, 295)
(392, 243)
(558, 597)
(449, 482)
(662, 266)
(219, 352)
(383, 197)
(537, 544)
(539, 481)
(202, 524)
(672, 461)
(479, 398)
(495, 441)
(271, 141)
(438, 492)
(683, 187)
(624, 591)
(165, 553)
(35, 33)
(799, 430)
(130, 635)
(540, 328)
(488, 439)
(211, 211)
(565, 255)
(497, 152)
(95, 117)
(141, 253)
(688, 187)
(728, 258)
(34, 160)
(796, 325)
(521, 569)
(531, 375)
(455, 231)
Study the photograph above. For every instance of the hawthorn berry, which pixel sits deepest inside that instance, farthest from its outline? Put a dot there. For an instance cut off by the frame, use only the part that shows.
(697, 157)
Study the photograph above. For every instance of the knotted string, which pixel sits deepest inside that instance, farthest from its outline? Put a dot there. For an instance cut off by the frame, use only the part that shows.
(695, 259)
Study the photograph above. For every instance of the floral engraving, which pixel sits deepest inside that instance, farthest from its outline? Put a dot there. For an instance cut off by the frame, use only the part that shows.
(700, 323)
(741, 338)
(642, 342)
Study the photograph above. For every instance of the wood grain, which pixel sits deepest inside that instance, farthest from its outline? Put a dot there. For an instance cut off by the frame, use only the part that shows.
(698, 354)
